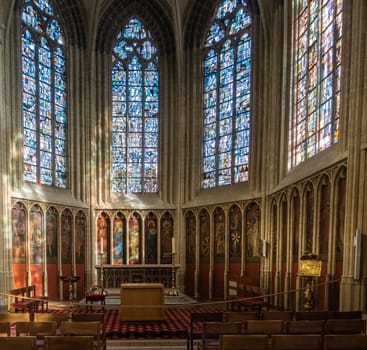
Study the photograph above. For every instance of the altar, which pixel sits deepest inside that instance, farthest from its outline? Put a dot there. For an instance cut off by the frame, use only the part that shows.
(115, 275)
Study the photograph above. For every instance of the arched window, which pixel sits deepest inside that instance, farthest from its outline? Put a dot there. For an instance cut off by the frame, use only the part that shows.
(315, 88)
(227, 87)
(135, 110)
(44, 95)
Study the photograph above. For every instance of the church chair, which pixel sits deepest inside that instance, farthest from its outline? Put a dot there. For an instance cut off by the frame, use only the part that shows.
(305, 327)
(18, 343)
(66, 342)
(345, 314)
(239, 316)
(14, 317)
(96, 293)
(243, 342)
(311, 315)
(345, 341)
(213, 330)
(37, 329)
(196, 325)
(92, 317)
(297, 342)
(277, 315)
(4, 329)
(84, 328)
(346, 326)
(268, 327)
(51, 317)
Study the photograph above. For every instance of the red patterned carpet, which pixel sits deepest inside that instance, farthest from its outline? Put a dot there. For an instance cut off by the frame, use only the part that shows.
(175, 324)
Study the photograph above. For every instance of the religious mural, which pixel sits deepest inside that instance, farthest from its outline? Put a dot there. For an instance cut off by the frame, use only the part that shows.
(118, 236)
(253, 241)
(190, 236)
(80, 237)
(35, 225)
(19, 228)
(219, 234)
(166, 238)
(66, 236)
(103, 235)
(204, 235)
(134, 239)
(51, 235)
(235, 233)
(151, 239)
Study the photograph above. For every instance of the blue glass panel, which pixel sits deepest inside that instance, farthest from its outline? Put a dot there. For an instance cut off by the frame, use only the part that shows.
(45, 126)
(233, 114)
(151, 156)
(55, 33)
(30, 18)
(28, 67)
(29, 102)
(216, 34)
(60, 147)
(29, 85)
(147, 50)
(45, 91)
(60, 98)
(123, 49)
(30, 138)
(29, 120)
(28, 45)
(45, 6)
(135, 49)
(134, 29)
(30, 154)
(135, 109)
(30, 173)
(225, 8)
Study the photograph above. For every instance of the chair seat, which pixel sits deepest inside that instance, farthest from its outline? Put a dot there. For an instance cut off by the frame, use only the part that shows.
(95, 297)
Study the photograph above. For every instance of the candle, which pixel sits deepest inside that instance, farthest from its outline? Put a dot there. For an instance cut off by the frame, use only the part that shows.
(101, 245)
(173, 245)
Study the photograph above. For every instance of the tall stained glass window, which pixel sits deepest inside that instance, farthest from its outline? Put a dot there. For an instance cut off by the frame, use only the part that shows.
(135, 110)
(44, 95)
(317, 50)
(227, 95)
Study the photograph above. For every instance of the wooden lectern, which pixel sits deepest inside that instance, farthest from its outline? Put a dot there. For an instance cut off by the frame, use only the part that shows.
(142, 302)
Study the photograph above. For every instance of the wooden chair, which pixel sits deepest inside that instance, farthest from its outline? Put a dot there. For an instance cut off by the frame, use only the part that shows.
(311, 315)
(347, 326)
(14, 317)
(4, 329)
(212, 331)
(96, 293)
(268, 327)
(345, 342)
(51, 317)
(40, 301)
(305, 327)
(92, 317)
(277, 315)
(196, 325)
(297, 342)
(84, 328)
(345, 314)
(38, 329)
(239, 316)
(243, 342)
(18, 343)
(60, 342)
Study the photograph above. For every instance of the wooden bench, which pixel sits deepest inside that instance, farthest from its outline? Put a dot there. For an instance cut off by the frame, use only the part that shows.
(244, 296)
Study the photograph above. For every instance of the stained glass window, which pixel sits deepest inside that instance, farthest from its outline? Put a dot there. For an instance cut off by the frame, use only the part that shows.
(135, 110)
(227, 95)
(44, 95)
(317, 50)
